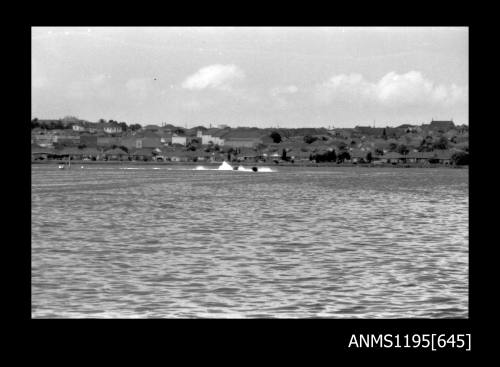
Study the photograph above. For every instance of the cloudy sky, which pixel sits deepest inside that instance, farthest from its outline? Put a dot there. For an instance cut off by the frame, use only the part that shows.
(291, 77)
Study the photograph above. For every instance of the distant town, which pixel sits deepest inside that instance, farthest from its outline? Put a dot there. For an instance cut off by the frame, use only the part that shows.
(70, 138)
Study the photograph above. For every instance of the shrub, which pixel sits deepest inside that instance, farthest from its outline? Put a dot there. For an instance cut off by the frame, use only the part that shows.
(329, 156)
(460, 158)
(343, 156)
(442, 143)
(369, 157)
(310, 139)
(276, 137)
(402, 149)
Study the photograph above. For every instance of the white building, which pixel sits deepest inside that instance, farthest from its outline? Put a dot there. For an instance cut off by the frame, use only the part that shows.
(176, 139)
(206, 139)
(112, 129)
(78, 128)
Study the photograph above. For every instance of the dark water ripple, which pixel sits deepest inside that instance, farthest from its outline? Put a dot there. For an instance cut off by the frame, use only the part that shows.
(332, 242)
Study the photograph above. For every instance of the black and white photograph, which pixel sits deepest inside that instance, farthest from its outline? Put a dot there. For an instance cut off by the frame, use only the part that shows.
(196, 172)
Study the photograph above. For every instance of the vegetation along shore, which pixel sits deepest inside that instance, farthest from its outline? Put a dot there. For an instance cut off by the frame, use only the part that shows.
(434, 144)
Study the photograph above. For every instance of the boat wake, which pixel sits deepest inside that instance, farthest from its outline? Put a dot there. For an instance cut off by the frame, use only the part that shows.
(227, 167)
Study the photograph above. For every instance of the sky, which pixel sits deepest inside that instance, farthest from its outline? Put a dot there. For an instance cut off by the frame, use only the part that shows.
(251, 76)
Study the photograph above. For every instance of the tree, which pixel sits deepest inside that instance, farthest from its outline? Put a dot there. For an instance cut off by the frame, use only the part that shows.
(102, 121)
(426, 144)
(329, 156)
(260, 147)
(276, 137)
(342, 146)
(135, 127)
(442, 143)
(460, 158)
(123, 125)
(310, 139)
(393, 147)
(343, 156)
(384, 135)
(369, 157)
(402, 149)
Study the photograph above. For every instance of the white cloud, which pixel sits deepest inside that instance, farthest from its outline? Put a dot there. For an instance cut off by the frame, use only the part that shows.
(139, 87)
(392, 90)
(38, 79)
(280, 94)
(284, 90)
(99, 79)
(93, 86)
(214, 76)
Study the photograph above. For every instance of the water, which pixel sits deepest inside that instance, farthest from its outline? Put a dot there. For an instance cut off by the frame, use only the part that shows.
(301, 242)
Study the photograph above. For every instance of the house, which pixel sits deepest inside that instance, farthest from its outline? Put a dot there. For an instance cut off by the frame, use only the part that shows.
(109, 128)
(91, 153)
(40, 153)
(107, 141)
(242, 142)
(358, 155)
(178, 159)
(69, 153)
(78, 128)
(142, 154)
(419, 157)
(44, 139)
(152, 128)
(442, 156)
(67, 138)
(116, 154)
(441, 126)
(148, 142)
(165, 138)
(92, 128)
(207, 139)
(393, 157)
(369, 130)
(177, 139)
(88, 140)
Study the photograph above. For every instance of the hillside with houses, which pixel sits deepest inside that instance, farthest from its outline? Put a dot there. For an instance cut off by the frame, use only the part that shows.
(70, 138)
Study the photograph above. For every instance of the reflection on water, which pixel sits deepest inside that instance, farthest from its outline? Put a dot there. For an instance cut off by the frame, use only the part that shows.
(303, 242)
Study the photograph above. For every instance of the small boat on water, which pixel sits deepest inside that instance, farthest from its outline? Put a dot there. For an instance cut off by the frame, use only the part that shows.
(227, 167)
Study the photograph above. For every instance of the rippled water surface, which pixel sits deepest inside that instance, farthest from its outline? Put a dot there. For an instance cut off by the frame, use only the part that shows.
(301, 242)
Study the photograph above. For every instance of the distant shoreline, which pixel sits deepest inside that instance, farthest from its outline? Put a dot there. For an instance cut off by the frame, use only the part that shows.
(251, 164)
